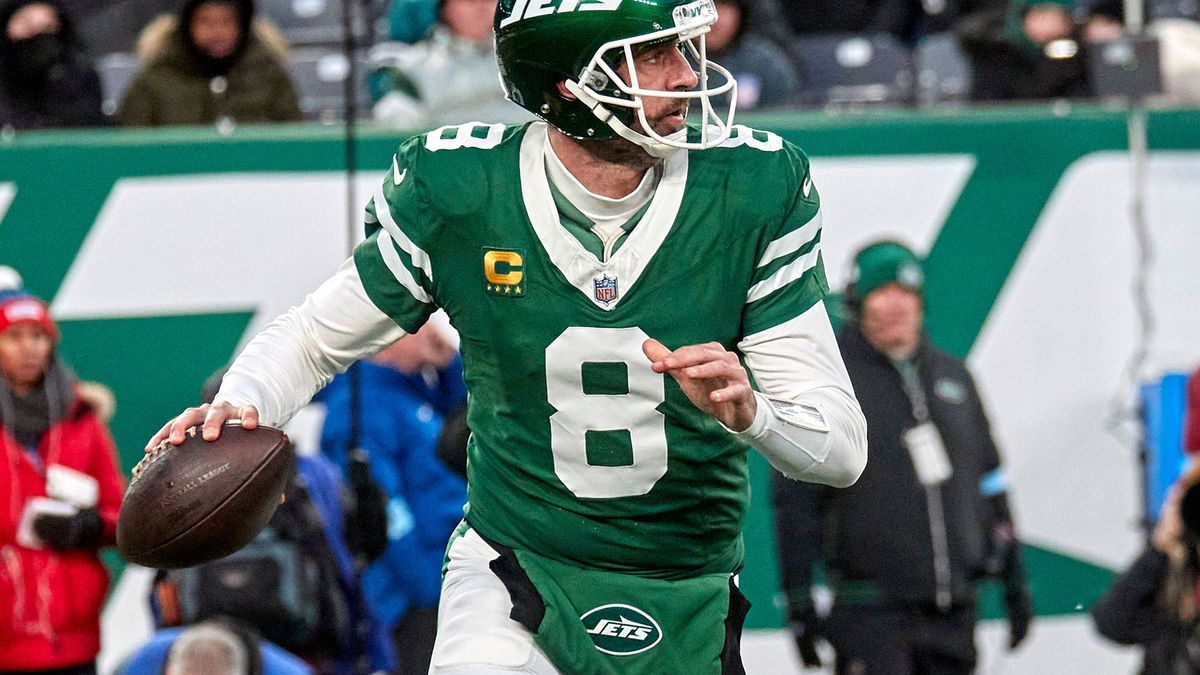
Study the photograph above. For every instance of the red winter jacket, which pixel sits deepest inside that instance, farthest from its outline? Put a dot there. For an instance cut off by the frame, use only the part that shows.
(50, 602)
(1191, 424)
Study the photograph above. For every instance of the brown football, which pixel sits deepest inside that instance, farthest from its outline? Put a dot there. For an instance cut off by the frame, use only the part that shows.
(199, 501)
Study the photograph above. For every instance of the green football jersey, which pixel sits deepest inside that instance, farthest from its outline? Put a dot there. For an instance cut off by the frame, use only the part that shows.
(579, 451)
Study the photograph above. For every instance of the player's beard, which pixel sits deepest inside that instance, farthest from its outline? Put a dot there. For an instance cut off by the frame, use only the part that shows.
(625, 152)
(663, 126)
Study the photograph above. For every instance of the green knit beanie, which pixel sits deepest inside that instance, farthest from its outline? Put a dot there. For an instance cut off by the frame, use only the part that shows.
(883, 263)
(1014, 21)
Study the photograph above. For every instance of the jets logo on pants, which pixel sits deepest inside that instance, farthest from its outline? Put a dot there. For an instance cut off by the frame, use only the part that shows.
(622, 630)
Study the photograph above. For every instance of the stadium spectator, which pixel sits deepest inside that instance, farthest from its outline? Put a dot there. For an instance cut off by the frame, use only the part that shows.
(108, 26)
(910, 20)
(447, 77)
(45, 78)
(60, 491)
(410, 21)
(1155, 602)
(211, 64)
(904, 547)
(765, 75)
(814, 17)
(1105, 21)
(309, 529)
(404, 393)
(1152, 11)
(1176, 27)
(211, 648)
(1031, 50)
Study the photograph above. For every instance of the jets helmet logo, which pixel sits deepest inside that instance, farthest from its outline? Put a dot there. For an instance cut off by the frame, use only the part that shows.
(622, 630)
(527, 9)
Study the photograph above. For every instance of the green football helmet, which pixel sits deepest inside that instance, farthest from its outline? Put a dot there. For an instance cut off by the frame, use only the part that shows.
(540, 43)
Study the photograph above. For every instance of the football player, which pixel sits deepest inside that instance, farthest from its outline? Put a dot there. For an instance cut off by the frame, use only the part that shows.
(616, 277)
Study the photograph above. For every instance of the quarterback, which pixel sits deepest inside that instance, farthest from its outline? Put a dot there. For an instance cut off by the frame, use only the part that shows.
(639, 302)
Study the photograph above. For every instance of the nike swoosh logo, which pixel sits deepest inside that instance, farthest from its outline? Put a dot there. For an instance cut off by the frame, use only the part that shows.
(807, 187)
(398, 176)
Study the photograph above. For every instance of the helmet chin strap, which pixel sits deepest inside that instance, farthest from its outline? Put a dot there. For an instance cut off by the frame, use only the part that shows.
(652, 147)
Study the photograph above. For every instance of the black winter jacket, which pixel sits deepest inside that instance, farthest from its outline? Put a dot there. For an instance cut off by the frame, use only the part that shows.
(63, 92)
(1130, 614)
(878, 536)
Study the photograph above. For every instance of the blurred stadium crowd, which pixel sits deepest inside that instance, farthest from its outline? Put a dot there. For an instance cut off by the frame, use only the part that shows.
(67, 63)
(345, 578)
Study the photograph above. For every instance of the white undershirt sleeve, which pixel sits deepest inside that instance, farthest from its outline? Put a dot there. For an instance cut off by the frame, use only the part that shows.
(282, 367)
(808, 424)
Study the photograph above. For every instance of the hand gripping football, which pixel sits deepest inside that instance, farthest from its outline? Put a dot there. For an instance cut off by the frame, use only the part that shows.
(202, 500)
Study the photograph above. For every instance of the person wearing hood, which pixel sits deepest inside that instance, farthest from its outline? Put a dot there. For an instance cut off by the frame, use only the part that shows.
(1155, 603)
(904, 548)
(1033, 49)
(765, 75)
(211, 64)
(60, 492)
(449, 77)
(45, 79)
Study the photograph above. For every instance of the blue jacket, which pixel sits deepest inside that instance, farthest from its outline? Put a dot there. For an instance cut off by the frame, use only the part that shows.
(400, 419)
(151, 659)
(325, 488)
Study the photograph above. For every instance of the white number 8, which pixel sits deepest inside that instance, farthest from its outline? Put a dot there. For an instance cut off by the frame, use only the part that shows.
(579, 412)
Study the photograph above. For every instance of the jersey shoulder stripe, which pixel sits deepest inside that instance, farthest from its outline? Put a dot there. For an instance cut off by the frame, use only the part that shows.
(788, 266)
(432, 179)
(789, 275)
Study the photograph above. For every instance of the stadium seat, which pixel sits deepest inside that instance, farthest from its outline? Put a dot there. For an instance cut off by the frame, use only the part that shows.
(853, 69)
(943, 70)
(319, 76)
(116, 71)
(309, 22)
(1173, 9)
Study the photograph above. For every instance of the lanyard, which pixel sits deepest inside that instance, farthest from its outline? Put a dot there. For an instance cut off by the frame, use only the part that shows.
(911, 381)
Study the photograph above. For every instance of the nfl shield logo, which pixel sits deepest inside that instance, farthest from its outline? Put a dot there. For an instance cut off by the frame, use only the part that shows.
(605, 289)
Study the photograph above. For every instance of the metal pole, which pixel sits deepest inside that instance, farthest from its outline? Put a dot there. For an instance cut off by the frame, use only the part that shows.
(1134, 16)
(1143, 249)
(350, 108)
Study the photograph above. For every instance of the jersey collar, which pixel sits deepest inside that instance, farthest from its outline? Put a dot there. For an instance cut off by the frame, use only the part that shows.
(581, 268)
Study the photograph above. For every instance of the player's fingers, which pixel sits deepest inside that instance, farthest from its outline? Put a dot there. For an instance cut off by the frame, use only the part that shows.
(693, 355)
(734, 393)
(216, 416)
(249, 415)
(721, 369)
(159, 436)
(656, 352)
(188, 418)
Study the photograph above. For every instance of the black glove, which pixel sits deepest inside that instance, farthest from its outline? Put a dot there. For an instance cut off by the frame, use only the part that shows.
(1001, 549)
(81, 530)
(1018, 599)
(1018, 605)
(806, 628)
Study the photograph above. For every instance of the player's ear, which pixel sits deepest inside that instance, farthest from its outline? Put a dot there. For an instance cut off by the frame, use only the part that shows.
(564, 92)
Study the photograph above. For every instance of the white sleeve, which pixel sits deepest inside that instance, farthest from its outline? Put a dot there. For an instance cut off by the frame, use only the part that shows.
(808, 424)
(282, 367)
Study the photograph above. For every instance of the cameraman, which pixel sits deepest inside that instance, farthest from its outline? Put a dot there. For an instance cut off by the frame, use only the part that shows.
(1154, 603)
